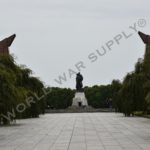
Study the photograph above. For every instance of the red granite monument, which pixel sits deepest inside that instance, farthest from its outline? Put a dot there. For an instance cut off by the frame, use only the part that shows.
(5, 44)
(146, 39)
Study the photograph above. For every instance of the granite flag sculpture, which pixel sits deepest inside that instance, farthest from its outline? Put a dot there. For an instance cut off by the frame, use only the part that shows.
(146, 39)
(5, 44)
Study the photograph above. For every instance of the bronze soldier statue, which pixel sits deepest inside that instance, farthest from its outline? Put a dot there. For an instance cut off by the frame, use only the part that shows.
(79, 85)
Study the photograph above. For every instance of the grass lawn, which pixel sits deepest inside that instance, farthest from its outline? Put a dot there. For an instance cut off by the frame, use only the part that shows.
(141, 114)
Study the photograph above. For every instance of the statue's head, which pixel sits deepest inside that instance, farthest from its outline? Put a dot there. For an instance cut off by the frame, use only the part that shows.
(145, 38)
(5, 44)
(78, 73)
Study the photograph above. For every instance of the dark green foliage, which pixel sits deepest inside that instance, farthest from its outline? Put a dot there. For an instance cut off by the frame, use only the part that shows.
(59, 98)
(16, 85)
(116, 85)
(98, 96)
(134, 94)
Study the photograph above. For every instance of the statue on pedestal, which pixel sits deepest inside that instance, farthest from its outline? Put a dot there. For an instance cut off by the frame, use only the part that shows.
(79, 100)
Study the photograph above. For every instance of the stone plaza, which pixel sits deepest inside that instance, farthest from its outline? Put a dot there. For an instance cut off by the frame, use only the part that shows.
(77, 131)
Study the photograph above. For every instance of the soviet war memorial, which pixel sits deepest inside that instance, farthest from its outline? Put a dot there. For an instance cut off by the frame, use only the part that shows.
(74, 75)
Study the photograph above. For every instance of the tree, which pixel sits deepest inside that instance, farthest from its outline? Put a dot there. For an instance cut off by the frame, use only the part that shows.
(16, 84)
(116, 85)
(132, 93)
(59, 98)
(98, 96)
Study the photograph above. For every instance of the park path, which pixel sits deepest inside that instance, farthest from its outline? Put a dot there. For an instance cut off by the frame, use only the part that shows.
(77, 131)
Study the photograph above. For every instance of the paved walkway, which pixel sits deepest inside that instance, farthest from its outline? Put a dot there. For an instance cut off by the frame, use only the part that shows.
(82, 131)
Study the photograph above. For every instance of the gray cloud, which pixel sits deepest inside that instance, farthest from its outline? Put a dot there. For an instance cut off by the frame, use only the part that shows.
(52, 35)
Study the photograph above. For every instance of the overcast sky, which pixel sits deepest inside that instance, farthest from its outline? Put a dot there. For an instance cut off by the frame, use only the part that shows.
(54, 35)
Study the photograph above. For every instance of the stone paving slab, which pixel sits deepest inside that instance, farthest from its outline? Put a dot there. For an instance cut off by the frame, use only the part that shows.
(78, 131)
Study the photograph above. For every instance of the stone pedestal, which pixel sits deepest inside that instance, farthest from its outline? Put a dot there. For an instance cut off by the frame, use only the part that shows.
(79, 100)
